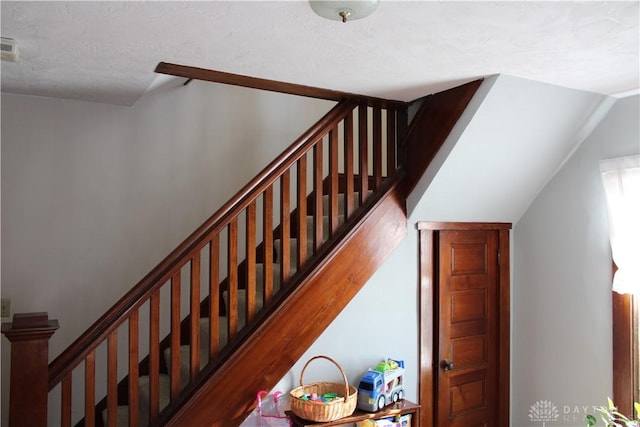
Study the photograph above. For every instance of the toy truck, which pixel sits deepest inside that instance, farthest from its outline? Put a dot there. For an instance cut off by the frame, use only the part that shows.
(382, 385)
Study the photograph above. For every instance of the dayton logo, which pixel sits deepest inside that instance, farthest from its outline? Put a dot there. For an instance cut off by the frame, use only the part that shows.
(543, 411)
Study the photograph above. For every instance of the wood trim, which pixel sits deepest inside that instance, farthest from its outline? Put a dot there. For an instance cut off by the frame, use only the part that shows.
(214, 295)
(333, 180)
(394, 410)
(402, 126)
(154, 357)
(348, 161)
(636, 350)
(429, 225)
(267, 240)
(90, 389)
(112, 378)
(270, 85)
(363, 151)
(301, 211)
(250, 260)
(285, 226)
(134, 368)
(232, 276)
(504, 324)
(428, 235)
(431, 126)
(65, 408)
(174, 367)
(29, 334)
(317, 195)
(426, 383)
(194, 341)
(625, 354)
(391, 141)
(377, 147)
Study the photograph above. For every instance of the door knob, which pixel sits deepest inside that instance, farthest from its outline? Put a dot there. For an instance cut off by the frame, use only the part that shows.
(447, 366)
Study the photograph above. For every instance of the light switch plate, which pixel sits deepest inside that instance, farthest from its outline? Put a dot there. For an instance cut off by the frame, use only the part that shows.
(5, 308)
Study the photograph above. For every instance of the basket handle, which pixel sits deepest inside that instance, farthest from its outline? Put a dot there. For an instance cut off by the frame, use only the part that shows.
(344, 377)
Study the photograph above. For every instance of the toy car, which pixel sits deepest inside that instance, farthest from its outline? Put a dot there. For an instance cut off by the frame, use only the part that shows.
(381, 386)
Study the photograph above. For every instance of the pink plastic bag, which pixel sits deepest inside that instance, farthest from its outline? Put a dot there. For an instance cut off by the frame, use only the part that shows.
(277, 419)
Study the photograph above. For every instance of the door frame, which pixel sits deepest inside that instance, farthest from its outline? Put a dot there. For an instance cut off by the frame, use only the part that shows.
(427, 324)
(625, 351)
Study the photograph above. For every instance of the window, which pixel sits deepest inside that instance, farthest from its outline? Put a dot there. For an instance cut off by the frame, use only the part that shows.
(621, 179)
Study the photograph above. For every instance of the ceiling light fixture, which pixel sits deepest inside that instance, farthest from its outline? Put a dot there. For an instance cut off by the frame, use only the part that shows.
(347, 10)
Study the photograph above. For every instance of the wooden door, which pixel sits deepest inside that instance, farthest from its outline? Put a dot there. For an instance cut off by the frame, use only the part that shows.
(467, 332)
(468, 371)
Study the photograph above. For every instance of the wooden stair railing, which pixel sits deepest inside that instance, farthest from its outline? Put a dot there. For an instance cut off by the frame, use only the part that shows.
(242, 276)
(191, 275)
(227, 396)
(326, 165)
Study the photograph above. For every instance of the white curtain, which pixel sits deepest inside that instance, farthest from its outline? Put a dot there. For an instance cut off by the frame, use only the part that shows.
(621, 179)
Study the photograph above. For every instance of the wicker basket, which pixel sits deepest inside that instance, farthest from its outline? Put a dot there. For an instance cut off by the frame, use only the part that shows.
(324, 411)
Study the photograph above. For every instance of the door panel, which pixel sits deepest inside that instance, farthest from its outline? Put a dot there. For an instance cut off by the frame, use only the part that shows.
(467, 306)
(469, 351)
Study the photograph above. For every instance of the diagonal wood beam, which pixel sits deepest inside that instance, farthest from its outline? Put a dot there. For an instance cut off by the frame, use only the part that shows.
(196, 73)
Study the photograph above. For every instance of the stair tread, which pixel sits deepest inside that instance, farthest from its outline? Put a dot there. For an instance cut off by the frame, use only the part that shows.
(341, 202)
(185, 350)
(122, 413)
(259, 296)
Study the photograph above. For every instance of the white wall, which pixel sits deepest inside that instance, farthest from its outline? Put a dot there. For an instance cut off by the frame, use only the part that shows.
(517, 138)
(94, 195)
(562, 276)
(83, 203)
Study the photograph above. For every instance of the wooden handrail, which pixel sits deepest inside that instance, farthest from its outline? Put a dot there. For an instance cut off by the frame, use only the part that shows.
(118, 313)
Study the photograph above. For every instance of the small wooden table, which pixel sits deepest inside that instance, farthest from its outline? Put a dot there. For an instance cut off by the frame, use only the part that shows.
(400, 408)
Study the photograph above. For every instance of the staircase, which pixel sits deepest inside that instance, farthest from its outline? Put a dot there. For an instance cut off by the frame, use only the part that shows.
(239, 301)
(143, 360)
(223, 321)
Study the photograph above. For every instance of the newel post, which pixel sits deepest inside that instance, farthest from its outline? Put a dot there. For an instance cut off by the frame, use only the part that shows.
(29, 335)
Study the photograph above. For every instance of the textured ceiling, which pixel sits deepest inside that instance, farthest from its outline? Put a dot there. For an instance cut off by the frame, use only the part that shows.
(107, 51)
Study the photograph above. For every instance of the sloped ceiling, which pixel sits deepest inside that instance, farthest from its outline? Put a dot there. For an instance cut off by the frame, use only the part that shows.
(514, 136)
(106, 51)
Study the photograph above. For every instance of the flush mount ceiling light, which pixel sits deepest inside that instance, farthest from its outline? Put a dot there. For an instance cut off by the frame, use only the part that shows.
(347, 10)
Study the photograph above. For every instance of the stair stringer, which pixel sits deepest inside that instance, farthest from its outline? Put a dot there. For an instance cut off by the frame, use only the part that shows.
(227, 397)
